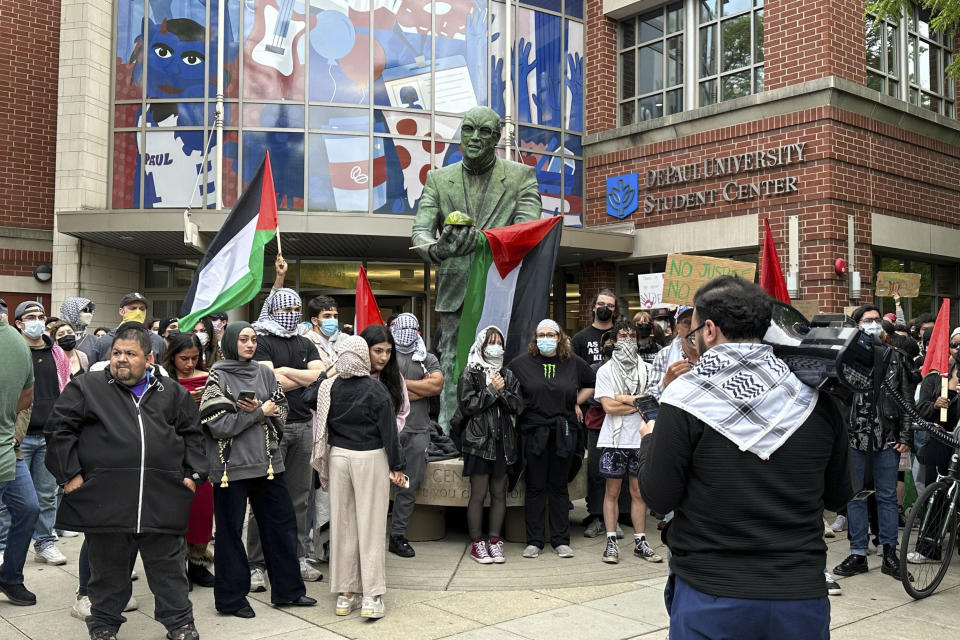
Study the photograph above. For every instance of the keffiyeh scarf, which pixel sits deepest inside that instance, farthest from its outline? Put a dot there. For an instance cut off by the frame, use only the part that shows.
(353, 362)
(629, 378)
(70, 311)
(745, 393)
(285, 327)
(406, 333)
(478, 358)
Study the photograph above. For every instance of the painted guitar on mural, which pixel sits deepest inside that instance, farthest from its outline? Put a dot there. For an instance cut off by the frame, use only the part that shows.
(279, 35)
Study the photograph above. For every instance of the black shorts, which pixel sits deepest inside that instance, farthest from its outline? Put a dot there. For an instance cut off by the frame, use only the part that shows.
(616, 463)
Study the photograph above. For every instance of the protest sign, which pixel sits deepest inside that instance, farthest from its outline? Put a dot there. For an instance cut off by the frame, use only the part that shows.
(890, 282)
(651, 289)
(685, 274)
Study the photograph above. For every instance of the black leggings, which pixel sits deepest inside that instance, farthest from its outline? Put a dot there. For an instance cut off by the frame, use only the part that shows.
(479, 484)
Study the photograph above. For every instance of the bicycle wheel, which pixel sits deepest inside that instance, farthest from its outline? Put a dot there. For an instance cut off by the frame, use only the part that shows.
(928, 539)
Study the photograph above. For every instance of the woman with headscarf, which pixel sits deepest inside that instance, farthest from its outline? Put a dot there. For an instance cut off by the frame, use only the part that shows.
(488, 399)
(619, 383)
(356, 451)
(79, 313)
(554, 382)
(242, 412)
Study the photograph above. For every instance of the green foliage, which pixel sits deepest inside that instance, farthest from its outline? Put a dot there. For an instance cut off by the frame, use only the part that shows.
(944, 18)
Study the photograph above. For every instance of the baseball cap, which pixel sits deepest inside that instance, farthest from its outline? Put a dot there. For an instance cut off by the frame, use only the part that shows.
(219, 315)
(892, 317)
(682, 309)
(28, 306)
(132, 297)
(661, 311)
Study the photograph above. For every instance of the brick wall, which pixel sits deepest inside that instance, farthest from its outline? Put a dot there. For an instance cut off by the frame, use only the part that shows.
(852, 165)
(600, 73)
(14, 262)
(30, 31)
(809, 39)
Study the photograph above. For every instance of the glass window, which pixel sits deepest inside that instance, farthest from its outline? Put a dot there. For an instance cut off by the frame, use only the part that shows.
(928, 54)
(738, 49)
(651, 64)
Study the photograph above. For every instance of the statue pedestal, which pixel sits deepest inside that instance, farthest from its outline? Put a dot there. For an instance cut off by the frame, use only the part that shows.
(445, 486)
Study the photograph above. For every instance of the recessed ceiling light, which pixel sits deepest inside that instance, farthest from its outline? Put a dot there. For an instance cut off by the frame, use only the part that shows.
(126, 238)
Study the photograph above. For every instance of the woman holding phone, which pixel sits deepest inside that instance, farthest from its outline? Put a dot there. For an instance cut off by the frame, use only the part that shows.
(242, 411)
(357, 454)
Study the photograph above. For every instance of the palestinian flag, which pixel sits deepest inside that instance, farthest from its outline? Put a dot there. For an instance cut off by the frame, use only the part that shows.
(231, 272)
(509, 284)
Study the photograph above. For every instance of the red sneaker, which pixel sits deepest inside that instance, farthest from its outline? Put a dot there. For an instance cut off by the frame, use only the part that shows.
(478, 551)
(495, 549)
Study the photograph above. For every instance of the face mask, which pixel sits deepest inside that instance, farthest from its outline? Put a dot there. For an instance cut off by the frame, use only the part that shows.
(287, 319)
(644, 330)
(155, 332)
(872, 328)
(663, 324)
(329, 326)
(493, 351)
(608, 352)
(216, 325)
(33, 329)
(203, 338)
(604, 314)
(627, 346)
(172, 332)
(135, 316)
(67, 343)
(547, 346)
(84, 318)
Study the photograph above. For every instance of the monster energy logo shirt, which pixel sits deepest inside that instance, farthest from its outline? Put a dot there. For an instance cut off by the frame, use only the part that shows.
(549, 386)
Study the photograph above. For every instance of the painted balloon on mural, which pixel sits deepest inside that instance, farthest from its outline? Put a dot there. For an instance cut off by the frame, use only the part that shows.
(333, 36)
(355, 65)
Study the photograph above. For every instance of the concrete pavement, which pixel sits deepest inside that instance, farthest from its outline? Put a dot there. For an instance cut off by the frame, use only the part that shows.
(441, 593)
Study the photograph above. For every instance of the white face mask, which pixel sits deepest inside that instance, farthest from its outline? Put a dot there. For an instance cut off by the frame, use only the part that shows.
(84, 318)
(493, 351)
(203, 337)
(872, 328)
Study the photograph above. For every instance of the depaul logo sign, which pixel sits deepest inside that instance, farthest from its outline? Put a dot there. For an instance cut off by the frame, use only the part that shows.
(622, 195)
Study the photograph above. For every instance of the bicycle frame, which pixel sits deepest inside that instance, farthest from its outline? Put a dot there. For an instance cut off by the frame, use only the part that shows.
(953, 472)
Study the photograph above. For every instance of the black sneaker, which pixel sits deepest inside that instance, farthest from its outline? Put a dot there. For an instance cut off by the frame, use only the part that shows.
(833, 588)
(853, 565)
(611, 555)
(18, 594)
(400, 546)
(199, 575)
(186, 632)
(103, 634)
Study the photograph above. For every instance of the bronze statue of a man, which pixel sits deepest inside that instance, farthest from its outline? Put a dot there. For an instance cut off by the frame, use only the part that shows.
(495, 193)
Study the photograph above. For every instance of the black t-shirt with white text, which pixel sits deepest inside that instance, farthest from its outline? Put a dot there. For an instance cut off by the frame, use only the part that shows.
(586, 344)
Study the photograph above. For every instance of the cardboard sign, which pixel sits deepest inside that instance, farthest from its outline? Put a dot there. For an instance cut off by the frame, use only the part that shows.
(906, 284)
(651, 289)
(809, 308)
(685, 274)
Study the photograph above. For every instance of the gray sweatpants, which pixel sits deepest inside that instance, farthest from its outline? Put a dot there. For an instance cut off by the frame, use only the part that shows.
(415, 453)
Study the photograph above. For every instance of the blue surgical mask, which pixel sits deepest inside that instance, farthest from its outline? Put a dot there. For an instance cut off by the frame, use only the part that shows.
(329, 326)
(33, 329)
(547, 346)
(493, 351)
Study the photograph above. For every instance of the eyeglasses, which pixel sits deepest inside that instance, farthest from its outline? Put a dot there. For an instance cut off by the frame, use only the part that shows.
(484, 132)
(547, 335)
(33, 316)
(955, 345)
(690, 336)
(609, 305)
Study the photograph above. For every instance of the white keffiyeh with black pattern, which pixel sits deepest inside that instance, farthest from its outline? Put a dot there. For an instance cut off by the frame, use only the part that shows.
(745, 393)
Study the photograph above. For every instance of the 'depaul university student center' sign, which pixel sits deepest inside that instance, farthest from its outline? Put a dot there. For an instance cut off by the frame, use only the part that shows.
(623, 196)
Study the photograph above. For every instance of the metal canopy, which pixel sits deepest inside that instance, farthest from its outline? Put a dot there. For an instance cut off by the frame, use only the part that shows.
(159, 234)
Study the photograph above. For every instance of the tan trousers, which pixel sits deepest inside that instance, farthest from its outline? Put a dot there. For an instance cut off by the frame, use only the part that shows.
(359, 500)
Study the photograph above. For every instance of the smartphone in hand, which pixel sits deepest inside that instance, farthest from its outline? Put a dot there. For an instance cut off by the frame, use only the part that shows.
(247, 396)
(647, 407)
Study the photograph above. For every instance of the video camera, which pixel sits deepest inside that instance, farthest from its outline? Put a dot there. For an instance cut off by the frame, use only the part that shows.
(829, 353)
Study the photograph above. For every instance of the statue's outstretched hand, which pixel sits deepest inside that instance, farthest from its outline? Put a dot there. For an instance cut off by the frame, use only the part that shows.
(456, 240)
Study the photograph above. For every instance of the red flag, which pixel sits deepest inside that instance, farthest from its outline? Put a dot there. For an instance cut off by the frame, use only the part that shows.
(367, 311)
(771, 277)
(938, 350)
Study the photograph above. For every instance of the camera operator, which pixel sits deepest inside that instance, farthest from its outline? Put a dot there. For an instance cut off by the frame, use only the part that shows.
(879, 433)
(747, 456)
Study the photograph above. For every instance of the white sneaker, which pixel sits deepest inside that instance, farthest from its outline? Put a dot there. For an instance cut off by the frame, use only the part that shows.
(257, 581)
(50, 555)
(67, 534)
(564, 551)
(308, 573)
(915, 557)
(827, 531)
(81, 608)
(132, 604)
(531, 551)
(373, 607)
(347, 605)
(833, 588)
(840, 524)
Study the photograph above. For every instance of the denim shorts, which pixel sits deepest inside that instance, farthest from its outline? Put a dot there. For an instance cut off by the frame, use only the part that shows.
(616, 463)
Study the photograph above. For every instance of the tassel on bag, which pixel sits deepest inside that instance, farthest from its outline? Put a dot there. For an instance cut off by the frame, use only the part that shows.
(224, 481)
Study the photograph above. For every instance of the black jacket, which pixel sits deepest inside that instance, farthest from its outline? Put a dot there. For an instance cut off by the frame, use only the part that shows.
(487, 415)
(133, 455)
(895, 424)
